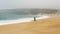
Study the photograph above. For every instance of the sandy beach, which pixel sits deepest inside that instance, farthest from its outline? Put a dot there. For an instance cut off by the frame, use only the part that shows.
(43, 26)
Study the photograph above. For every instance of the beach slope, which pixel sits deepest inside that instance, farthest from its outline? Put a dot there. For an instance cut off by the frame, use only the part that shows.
(43, 26)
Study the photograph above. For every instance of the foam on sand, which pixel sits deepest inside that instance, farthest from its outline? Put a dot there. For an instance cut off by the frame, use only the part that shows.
(6, 22)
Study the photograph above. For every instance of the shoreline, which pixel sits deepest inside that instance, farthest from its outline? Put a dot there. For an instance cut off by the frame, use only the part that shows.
(7, 22)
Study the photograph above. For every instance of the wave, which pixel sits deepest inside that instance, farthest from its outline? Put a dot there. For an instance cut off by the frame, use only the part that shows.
(20, 20)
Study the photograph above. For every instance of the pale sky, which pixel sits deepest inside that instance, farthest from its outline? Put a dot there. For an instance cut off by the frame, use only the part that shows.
(54, 4)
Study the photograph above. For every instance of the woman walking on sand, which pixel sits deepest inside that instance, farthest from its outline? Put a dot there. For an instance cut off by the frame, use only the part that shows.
(34, 18)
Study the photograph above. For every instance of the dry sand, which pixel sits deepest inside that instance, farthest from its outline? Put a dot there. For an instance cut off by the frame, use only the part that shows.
(46, 26)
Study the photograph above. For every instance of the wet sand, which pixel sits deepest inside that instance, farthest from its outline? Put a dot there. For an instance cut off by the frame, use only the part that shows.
(43, 26)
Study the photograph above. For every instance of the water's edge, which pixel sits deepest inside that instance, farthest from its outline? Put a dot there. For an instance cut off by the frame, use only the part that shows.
(21, 20)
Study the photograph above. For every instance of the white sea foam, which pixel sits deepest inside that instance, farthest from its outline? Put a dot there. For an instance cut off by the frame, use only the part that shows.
(6, 22)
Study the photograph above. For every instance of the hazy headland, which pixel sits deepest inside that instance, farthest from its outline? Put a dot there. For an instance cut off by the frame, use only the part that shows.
(29, 11)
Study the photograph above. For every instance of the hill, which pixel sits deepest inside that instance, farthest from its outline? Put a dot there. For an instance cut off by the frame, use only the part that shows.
(29, 11)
